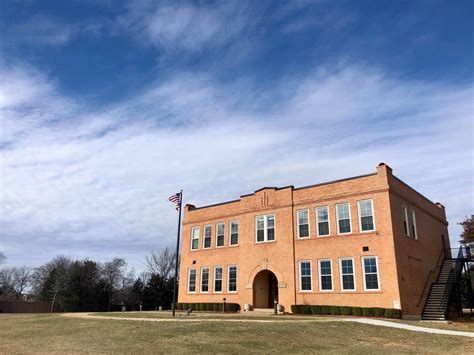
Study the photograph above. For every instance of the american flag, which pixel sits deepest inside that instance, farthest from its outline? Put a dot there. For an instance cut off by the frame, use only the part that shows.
(175, 198)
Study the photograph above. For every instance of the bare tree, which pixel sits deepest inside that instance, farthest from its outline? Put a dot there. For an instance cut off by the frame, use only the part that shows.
(112, 274)
(162, 263)
(14, 281)
(2, 258)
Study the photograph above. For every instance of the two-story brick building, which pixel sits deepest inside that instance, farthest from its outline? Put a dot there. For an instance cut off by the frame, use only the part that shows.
(367, 241)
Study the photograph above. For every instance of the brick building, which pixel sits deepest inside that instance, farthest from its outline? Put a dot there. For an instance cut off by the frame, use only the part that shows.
(367, 241)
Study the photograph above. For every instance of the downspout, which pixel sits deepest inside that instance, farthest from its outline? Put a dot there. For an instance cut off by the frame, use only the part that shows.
(293, 240)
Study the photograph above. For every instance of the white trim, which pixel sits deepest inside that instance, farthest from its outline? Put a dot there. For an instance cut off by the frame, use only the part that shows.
(214, 279)
(217, 228)
(204, 236)
(298, 223)
(350, 218)
(413, 224)
(189, 279)
(319, 272)
(192, 237)
(405, 220)
(310, 275)
(236, 278)
(353, 274)
(378, 273)
(230, 233)
(201, 278)
(265, 228)
(328, 221)
(360, 217)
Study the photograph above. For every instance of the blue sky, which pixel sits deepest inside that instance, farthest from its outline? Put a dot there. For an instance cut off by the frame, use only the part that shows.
(108, 107)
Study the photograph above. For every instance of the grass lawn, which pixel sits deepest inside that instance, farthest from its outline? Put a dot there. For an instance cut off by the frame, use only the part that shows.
(463, 325)
(56, 333)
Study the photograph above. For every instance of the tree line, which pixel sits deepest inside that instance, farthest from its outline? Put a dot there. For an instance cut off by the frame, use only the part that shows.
(87, 285)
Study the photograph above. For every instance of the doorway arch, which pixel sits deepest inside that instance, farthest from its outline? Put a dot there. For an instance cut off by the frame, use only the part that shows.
(265, 289)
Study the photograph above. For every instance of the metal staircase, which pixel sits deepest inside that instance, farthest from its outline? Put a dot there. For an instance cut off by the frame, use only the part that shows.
(446, 291)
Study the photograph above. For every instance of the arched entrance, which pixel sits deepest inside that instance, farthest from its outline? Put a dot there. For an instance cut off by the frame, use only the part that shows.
(265, 289)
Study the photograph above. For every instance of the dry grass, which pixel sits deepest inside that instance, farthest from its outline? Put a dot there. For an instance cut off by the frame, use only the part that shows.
(464, 325)
(54, 333)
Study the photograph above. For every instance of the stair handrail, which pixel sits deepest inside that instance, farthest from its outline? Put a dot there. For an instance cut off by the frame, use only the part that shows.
(442, 252)
(447, 292)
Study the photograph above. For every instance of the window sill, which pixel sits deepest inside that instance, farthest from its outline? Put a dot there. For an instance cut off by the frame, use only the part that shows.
(266, 242)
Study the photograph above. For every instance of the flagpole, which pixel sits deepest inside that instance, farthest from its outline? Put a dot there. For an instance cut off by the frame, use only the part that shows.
(177, 254)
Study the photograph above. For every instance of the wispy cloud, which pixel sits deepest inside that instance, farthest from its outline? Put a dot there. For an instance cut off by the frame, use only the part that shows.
(94, 181)
(174, 26)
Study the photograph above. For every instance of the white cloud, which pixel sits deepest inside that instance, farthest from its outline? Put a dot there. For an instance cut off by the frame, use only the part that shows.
(94, 182)
(183, 26)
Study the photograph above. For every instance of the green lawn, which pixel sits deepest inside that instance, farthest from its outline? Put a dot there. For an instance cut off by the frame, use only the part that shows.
(56, 333)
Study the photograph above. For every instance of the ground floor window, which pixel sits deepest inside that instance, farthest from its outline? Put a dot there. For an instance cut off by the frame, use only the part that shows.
(232, 279)
(218, 279)
(192, 280)
(347, 274)
(305, 276)
(371, 274)
(205, 279)
(325, 275)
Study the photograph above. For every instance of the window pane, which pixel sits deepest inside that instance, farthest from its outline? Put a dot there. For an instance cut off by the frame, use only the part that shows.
(323, 228)
(347, 272)
(343, 211)
(195, 243)
(323, 215)
(271, 234)
(220, 235)
(304, 230)
(344, 226)
(305, 276)
(207, 236)
(270, 221)
(192, 280)
(205, 280)
(218, 279)
(233, 278)
(260, 235)
(367, 223)
(303, 217)
(260, 223)
(325, 275)
(234, 230)
(371, 282)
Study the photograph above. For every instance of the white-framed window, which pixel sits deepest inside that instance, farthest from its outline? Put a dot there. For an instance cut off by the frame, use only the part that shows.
(306, 283)
(192, 281)
(303, 223)
(413, 224)
(265, 228)
(218, 279)
(325, 275)
(194, 238)
(204, 279)
(234, 233)
(346, 267)
(366, 215)
(232, 279)
(370, 272)
(207, 239)
(406, 228)
(322, 221)
(343, 212)
(220, 227)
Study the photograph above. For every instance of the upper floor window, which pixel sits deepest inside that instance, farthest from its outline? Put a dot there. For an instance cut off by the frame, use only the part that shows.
(366, 215)
(265, 228)
(218, 279)
(232, 279)
(234, 232)
(205, 279)
(194, 238)
(305, 276)
(343, 212)
(207, 236)
(220, 234)
(347, 274)
(192, 281)
(371, 273)
(325, 275)
(405, 221)
(413, 225)
(322, 221)
(303, 223)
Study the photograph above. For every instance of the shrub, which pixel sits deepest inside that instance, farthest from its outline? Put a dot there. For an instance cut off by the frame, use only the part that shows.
(346, 311)
(295, 308)
(179, 306)
(305, 309)
(209, 307)
(216, 307)
(232, 307)
(356, 311)
(397, 313)
(325, 309)
(335, 310)
(388, 313)
(368, 312)
(378, 312)
(316, 309)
